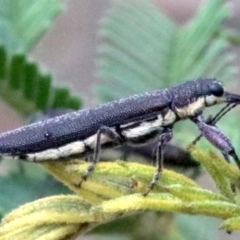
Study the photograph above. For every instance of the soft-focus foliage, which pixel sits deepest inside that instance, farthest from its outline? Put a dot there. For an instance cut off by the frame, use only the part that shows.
(115, 190)
(142, 50)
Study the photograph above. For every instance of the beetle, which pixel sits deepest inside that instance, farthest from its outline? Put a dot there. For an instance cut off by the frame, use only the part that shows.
(173, 154)
(133, 120)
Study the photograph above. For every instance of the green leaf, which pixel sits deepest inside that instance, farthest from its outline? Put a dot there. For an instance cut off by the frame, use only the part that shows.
(109, 193)
(134, 53)
(19, 188)
(23, 22)
(144, 50)
(146, 225)
(15, 72)
(61, 97)
(205, 227)
(27, 89)
(196, 46)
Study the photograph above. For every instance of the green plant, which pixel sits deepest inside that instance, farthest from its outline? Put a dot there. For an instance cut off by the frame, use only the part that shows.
(143, 50)
(26, 89)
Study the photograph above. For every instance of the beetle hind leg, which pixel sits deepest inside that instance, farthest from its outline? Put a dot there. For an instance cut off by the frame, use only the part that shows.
(164, 138)
(103, 131)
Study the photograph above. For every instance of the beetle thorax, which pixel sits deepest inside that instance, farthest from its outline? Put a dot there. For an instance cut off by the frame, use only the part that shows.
(189, 98)
(191, 109)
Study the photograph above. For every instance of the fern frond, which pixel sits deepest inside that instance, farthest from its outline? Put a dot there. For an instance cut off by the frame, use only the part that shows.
(145, 50)
(22, 22)
(27, 89)
(196, 45)
(137, 44)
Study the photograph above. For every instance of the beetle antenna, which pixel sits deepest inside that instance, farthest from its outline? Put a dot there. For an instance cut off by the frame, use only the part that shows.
(222, 112)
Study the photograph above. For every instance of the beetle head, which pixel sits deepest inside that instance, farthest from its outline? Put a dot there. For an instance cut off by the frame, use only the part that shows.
(191, 97)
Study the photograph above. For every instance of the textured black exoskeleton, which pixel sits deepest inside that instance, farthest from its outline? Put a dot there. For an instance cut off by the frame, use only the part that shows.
(133, 120)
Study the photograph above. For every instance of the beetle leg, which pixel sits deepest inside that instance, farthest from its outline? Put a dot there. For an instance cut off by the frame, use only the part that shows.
(108, 132)
(163, 140)
(216, 138)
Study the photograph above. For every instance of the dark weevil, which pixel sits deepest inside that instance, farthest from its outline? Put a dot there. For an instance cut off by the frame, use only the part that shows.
(133, 120)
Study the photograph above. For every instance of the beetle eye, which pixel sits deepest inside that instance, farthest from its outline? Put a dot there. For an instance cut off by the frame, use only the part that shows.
(216, 89)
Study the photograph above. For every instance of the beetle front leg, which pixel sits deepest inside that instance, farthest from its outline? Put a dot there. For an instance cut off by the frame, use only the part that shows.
(163, 140)
(216, 138)
(111, 134)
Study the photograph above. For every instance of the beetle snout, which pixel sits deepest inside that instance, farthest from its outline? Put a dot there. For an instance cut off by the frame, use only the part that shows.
(231, 98)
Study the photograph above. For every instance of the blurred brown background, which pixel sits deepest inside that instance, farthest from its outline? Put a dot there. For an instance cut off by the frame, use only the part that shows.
(68, 49)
